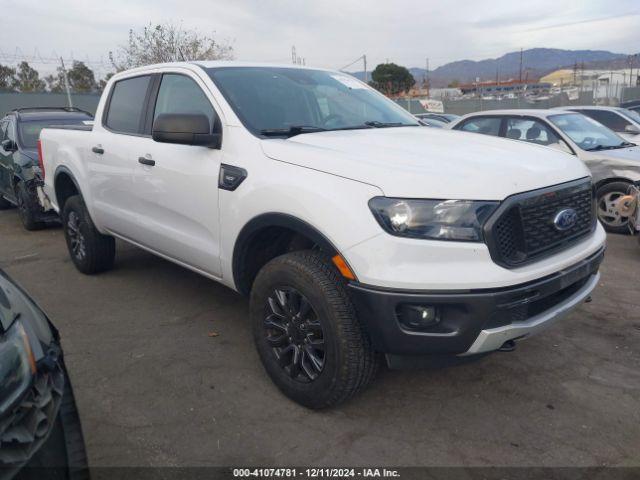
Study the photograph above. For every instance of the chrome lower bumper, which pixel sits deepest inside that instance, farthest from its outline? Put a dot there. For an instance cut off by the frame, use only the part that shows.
(492, 339)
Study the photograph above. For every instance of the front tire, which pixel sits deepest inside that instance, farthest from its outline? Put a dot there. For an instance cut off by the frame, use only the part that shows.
(307, 333)
(606, 197)
(27, 208)
(90, 251)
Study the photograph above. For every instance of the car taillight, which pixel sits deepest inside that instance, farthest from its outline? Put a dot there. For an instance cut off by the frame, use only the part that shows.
(40, 158)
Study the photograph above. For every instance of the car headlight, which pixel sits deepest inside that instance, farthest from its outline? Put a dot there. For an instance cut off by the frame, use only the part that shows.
(17, 365)
(460, 220)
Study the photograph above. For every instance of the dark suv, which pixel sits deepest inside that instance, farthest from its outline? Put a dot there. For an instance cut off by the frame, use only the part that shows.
(19, 170)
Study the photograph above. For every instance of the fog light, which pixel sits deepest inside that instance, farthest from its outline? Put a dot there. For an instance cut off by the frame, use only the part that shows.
(418, 317)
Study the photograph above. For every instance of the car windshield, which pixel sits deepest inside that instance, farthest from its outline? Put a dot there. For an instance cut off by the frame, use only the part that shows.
(272, 101)
(587, 133)
(630, 114)
(29, 130)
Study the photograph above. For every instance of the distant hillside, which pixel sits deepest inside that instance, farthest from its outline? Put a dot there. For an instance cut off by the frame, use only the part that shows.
(536, 62)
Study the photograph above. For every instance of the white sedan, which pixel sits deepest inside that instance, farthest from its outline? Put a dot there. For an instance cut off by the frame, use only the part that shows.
(614, 161)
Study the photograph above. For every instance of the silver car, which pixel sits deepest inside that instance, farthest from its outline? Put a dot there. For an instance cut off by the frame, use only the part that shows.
(614, 161)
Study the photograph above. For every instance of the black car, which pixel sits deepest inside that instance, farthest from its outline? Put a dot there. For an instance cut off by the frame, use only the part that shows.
(632, 105)
(19, 170)
(40, 433)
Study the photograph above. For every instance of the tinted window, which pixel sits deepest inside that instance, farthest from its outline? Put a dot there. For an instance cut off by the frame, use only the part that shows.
(609, 119)
(484, 125)
(180, 94)
(126, 106)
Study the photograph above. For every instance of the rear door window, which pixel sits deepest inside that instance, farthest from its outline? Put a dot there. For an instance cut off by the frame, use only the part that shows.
(126, 105)
(484, 125)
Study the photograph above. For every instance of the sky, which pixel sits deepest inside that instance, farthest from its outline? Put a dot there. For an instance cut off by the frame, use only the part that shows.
(327, 33)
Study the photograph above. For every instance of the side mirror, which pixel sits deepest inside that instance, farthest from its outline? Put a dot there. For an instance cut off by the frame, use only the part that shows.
(185, 129)
(632, 129)
(9, 145)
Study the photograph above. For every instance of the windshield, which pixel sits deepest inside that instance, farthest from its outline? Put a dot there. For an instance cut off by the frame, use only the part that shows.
(29, 130)
(630, 114)
(587, 133)
(273, 101)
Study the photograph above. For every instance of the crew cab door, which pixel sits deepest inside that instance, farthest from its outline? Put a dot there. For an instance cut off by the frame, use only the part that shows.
(177, 185)
(111, 156)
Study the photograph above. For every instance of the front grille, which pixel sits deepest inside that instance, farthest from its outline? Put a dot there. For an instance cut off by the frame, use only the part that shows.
(523, 229)
(26, 426)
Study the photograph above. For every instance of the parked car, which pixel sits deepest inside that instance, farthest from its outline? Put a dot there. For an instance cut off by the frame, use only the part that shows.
(19, 170)
(614, 162)
(442, 117)
(624, 122)
(40, 432)
(353, 229)
(432, 122)
(632, 105)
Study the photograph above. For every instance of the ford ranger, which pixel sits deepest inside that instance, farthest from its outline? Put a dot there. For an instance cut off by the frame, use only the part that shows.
(354, 230)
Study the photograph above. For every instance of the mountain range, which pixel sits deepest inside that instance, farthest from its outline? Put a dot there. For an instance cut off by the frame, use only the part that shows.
(536, 62)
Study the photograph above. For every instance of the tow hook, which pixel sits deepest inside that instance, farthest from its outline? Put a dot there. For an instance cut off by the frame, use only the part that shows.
(508, 346)
(588, 299)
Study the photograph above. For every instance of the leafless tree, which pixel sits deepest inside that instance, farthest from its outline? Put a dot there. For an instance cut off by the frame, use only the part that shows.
(168, 42)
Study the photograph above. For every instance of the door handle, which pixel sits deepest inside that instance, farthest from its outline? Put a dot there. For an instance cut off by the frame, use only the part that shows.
(98, 150)
(146, 161)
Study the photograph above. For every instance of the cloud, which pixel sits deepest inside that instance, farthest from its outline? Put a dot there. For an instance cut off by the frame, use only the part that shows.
(328, 33)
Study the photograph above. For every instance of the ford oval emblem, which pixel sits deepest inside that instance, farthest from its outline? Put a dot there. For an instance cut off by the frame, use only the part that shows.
(565, 219)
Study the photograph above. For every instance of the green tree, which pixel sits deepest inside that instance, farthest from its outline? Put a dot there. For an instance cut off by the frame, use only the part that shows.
(167, 43)
(7, 78)
(391, 79)
(81, 79)
(103, 82)
(454, 84)
(27, 79)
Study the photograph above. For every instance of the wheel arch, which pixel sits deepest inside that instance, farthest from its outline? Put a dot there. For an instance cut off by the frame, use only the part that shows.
(608, 180)
(65, 185)
(281, 233)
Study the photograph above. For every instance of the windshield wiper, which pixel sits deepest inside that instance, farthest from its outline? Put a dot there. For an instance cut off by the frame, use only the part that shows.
(611, 147)
(291, 131)
(377, 124)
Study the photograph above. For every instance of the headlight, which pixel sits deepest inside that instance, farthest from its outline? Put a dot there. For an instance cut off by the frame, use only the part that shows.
(460, 220)
(16, 365)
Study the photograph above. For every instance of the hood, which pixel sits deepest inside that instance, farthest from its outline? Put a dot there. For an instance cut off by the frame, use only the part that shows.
(419, 162)
(16, 304)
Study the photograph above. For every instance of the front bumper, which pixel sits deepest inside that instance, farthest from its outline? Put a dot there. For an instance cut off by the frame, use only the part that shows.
(474, 321)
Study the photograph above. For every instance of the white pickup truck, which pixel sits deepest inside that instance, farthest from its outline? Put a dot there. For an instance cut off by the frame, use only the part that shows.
(354, 230)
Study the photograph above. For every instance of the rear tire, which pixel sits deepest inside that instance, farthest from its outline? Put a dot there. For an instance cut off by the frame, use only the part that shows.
(340, 360)
(605, 195)
(27, 208)
(90, 251)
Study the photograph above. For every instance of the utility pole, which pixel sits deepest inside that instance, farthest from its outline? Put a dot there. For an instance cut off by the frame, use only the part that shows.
(66, 83)
(364, 59)
(426, 79)
(520, 77)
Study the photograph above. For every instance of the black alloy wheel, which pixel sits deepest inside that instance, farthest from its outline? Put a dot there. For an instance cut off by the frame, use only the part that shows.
(294, 331)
